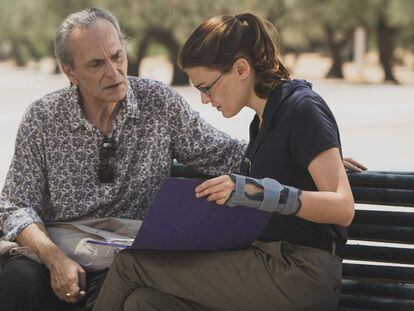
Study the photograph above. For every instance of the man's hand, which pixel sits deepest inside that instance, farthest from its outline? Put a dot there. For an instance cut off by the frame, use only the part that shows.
(68, 279)
(353, 166)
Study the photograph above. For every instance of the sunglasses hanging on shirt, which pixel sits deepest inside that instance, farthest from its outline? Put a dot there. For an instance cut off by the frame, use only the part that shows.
(106, 172)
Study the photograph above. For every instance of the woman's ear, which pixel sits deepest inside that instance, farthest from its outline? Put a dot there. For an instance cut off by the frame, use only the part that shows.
(242, 67)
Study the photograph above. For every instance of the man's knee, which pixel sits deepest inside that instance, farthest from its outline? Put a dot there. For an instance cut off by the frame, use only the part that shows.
(21, 278)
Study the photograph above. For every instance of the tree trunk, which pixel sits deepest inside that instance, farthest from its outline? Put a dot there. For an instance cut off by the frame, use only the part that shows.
(17, 53)
(335, 48)
(166, 38)
(386, 46)
(142, 47)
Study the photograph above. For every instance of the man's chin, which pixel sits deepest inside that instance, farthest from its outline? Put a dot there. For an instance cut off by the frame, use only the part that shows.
(115, 95)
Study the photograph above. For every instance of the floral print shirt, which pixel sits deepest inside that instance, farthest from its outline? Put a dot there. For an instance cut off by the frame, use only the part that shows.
(54, 172)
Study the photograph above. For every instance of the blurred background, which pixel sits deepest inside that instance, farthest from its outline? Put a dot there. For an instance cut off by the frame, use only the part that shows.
(359, 55)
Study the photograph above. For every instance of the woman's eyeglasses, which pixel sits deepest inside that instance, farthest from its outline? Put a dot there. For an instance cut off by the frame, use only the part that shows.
(206, 89)
(106, 172)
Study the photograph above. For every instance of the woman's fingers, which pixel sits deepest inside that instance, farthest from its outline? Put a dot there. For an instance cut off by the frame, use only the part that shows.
(214, 185)
(210, 183)
(220, 197)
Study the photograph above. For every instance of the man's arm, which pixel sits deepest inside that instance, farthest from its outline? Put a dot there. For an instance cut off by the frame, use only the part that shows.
(200, 145)
(24, 196)
(66, 276)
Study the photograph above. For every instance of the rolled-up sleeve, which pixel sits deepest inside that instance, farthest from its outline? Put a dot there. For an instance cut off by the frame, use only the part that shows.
(199, 144)
(24, 193)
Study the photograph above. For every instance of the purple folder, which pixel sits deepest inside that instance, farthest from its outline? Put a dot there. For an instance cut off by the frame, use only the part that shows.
(177, 220)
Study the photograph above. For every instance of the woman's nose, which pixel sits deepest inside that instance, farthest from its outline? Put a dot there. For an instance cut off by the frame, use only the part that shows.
(205, 98)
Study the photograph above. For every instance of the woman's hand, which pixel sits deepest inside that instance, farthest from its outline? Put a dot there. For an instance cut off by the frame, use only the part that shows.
(219, 189)
(216, 189)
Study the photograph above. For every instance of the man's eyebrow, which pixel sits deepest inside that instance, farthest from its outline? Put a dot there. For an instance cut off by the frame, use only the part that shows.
(94, 60)
(102, 59)
(116, 53)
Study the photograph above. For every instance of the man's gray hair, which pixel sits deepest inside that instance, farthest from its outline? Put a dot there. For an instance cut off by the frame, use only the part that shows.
(82, 19)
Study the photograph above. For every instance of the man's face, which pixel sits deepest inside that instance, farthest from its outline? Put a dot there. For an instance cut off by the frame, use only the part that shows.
(99, 63)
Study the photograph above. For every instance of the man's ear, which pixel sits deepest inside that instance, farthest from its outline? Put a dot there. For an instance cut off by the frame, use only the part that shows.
(242, 67)
(69, 71)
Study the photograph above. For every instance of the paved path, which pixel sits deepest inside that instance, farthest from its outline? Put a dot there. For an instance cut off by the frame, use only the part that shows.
(376, 121)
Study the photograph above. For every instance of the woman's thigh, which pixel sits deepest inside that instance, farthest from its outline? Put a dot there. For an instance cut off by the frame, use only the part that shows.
(229, 280)
(268, 276)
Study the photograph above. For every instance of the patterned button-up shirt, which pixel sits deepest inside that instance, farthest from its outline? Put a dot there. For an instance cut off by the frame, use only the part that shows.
(53, 175)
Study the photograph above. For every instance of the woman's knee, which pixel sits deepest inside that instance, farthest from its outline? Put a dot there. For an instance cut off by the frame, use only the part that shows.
(143, 298)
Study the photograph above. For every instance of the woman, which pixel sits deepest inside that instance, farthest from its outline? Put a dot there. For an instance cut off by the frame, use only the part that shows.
(292, 168)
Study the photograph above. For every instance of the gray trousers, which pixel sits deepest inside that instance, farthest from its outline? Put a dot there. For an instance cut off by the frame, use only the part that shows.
(267, 276)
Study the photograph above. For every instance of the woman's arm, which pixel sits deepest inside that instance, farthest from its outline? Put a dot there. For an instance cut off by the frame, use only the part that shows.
(333, 203)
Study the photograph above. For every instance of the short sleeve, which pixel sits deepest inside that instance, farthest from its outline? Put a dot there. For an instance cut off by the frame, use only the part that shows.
(314, 130)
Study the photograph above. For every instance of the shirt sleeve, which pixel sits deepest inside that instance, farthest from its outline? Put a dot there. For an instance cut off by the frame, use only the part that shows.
(198, 144)
(314, 130)
(23, 194)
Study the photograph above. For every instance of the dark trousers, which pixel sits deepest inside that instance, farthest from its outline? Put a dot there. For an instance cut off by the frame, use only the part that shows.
(25, 286)
(266, 277)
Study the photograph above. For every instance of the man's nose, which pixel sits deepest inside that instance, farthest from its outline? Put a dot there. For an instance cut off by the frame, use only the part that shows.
(205, 98)
(110, 69)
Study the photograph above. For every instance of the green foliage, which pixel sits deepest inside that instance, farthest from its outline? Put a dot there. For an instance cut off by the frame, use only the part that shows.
(29, 26)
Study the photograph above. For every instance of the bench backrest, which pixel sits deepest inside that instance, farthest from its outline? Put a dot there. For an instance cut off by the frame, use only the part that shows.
(378, 270)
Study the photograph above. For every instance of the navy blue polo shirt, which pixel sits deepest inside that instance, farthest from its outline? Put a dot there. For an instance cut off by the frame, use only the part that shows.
(297, 126)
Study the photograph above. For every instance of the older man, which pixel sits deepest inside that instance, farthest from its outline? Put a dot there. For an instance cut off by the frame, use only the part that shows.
(98, 148)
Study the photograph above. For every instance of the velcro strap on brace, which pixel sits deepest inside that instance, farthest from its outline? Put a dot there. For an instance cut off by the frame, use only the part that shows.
(268, 201)
(238, 196)
(271, 193)
(292, 205)
(272, 189)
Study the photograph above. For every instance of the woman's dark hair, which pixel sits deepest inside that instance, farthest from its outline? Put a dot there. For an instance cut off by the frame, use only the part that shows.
(219, 41)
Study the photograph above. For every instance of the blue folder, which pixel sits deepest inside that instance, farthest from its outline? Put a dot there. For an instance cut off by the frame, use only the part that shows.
(177, 220)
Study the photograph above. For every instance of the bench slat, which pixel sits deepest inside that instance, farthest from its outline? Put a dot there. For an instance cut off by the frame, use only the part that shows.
(381, 233)
(363, 287)
(378, 180)
(379, 272)
(379, 254)
(376, 303)
(372, 217)
(393, 197)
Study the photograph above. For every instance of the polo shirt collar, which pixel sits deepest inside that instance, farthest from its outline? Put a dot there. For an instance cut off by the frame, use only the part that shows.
(277, 96)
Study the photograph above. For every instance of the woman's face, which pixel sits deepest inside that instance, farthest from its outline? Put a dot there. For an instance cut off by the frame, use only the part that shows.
(226, 92)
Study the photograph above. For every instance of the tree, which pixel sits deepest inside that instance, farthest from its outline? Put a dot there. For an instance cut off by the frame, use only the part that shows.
(330, 24)
(167, 22)
(389, 20)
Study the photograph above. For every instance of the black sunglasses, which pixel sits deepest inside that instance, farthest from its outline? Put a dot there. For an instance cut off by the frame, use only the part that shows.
(106, 173)
(206, 89)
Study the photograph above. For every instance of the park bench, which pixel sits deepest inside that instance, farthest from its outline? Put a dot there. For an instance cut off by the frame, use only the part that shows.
(378, 268)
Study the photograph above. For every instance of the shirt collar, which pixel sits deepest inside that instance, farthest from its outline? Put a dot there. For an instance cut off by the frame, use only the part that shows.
(77, 117)
(131, 108)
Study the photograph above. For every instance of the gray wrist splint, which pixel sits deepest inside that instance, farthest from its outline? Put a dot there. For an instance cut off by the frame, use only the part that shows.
(276, 197)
